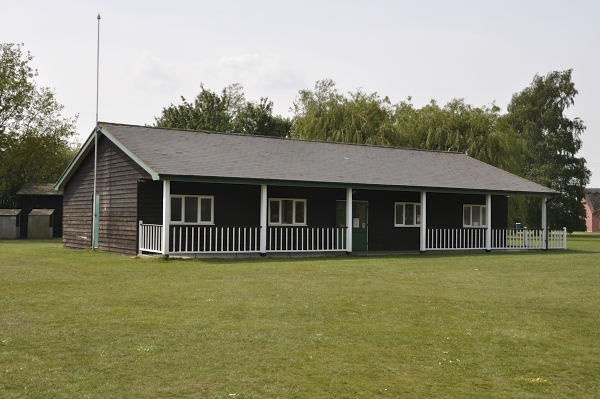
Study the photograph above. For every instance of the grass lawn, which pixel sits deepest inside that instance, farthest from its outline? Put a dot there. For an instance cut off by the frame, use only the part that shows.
(99, 325)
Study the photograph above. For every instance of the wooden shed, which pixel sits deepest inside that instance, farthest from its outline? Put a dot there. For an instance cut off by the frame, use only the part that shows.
(41, 224)
(40, 196)
(10, 223)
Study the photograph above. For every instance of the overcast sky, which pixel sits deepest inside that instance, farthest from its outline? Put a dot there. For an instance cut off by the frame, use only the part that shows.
(153, 52)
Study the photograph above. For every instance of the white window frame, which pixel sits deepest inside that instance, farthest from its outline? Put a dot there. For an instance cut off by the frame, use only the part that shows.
(482, 216)
(200, 197)
(294, 201)
(415, 204)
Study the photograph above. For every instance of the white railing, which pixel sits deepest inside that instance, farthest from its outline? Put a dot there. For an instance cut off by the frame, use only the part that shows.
(212, 239)
(150, 237)
(450, 239)
(306, 239)
(517, 239)
(557, 239)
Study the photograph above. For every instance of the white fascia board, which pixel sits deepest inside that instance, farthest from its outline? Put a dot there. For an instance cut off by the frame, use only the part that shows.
(130, 154)
(88, 146)
(81, 154)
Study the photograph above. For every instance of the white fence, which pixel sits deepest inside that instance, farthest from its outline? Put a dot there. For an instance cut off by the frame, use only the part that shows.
(557, 239)
(212, 239)
(306, 239)
(150, 237)
(449, 239)
(461, 239)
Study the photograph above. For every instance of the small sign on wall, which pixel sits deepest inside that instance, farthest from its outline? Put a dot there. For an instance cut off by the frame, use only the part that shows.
(356, 223)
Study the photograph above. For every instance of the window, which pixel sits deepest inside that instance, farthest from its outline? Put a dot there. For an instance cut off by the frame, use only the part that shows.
(193, 209)
(287, 211)
(474, 216)
(407, 214)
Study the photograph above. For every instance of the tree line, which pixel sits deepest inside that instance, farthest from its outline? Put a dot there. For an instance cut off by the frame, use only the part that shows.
(533, 138)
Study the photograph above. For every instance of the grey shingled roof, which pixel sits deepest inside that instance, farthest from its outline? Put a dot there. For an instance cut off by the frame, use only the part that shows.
(199, 154)
(39, 189)
(41, 212)
(9, 212)
(592, 197)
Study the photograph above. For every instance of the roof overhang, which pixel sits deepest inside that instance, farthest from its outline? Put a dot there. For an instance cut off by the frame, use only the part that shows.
(88, 146)
(208, 179)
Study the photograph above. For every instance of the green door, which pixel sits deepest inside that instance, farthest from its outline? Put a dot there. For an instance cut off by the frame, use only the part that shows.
(360, 224)
(96, 221)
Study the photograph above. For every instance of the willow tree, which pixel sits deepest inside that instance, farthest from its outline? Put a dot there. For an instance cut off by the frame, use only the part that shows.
(482, 133)
(326, 114)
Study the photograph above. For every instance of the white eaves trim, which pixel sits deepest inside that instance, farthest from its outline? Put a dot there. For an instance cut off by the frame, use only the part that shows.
(130, 154)
(85, 150)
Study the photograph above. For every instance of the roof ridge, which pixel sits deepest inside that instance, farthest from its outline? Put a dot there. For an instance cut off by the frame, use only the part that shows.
(284, 138)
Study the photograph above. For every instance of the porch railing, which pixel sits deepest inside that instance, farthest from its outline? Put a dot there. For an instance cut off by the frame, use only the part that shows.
(557, 239)
(449, 239)
(461, 239)
(306, 239)
(150, 237)
(517, 239)
(213, 239)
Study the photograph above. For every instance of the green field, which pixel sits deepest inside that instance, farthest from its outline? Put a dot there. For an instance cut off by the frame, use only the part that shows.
(85, 324)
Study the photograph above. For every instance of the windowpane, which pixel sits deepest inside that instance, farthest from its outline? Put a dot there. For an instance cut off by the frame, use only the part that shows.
(418, 214)
(483, 216)
(206, 209)
(409, 214)
(191, 209)
(476, 215)
(287, 209)
(274, 211)
(399, 213)
(467, 215)
(341, 214)
(299, 211)
(176, 209)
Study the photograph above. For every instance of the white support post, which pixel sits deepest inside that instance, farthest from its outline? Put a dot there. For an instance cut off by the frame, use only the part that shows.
(166, 216)
(263, 220)
(544, 224)
(488, 219)
(140, 237)
(349, 220)
(423, 221)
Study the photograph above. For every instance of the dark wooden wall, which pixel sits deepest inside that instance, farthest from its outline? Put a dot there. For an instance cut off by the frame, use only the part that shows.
(150, 201)
(239, 205)
(29, 202)
(446, 210)
(320, 202)
(117, 183)
(383, 236)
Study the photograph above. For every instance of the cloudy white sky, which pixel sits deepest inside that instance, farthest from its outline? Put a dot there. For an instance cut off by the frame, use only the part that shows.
(153, 52)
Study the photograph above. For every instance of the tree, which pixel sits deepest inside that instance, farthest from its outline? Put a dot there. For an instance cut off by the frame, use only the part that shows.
(228, 112)
(553, 140)
(326, 114)
(34, 137)
(483, 133)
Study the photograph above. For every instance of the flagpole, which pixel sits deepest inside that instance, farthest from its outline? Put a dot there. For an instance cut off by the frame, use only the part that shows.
(94, 205)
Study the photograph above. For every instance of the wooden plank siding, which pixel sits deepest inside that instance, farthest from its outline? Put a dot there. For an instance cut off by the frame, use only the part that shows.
(382, 234)
(117, 185)
(446, 210)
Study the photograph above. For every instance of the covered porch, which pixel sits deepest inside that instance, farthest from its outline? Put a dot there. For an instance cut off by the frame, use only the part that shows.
(342, 226)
